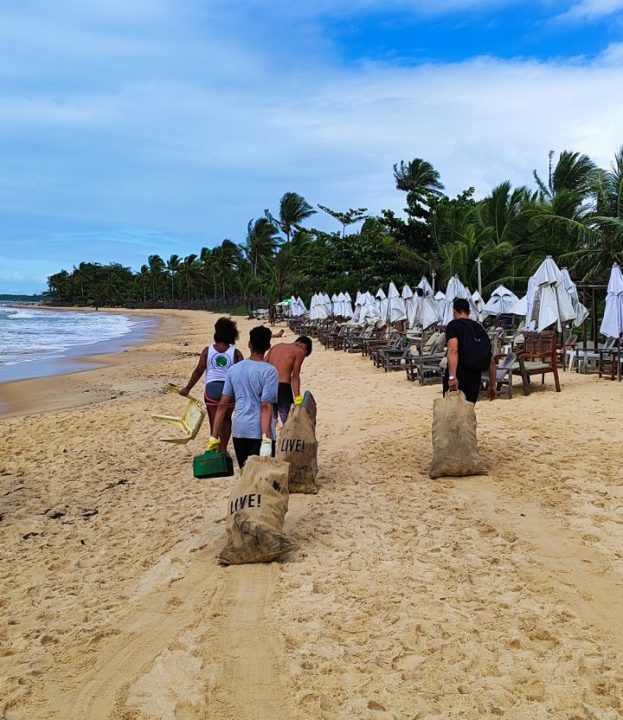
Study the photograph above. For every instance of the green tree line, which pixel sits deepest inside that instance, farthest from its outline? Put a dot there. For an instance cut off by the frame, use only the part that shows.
(575, 215)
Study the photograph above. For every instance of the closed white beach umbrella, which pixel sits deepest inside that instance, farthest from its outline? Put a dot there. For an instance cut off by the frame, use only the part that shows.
(520, 307)
(340, 304)
(501, 302)
(548, 301)
(301, 305)
(410, 301)
(312, 307)
(357, 310)
(581, 313)
(324, 306)
(318, 309)
(328, 304)
(341, 301)
(426, 309)
(456, 289)
(347, 307)
(612, 323)
(426, 287)
(478, 301)
(370, 309)
(382, 304)
(335, 305)
(396, 311)
(440, 299)
(295, 307)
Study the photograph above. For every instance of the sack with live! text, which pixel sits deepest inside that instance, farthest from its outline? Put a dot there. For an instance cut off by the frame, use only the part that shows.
(455, 445)
(297, 445)
(255, 513)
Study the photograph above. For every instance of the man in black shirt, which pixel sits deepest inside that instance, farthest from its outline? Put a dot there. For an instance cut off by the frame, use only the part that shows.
(458, 375)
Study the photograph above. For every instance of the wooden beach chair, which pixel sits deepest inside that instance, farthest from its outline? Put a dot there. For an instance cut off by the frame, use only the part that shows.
(425, 367)
(354, 342)
(394, 341)
(506, 364)
(392, 359)
(538, 357)
(380, 338)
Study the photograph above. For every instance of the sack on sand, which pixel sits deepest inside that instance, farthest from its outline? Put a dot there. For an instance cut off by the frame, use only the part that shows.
(455, 445)
(257, 507)
(297, 445)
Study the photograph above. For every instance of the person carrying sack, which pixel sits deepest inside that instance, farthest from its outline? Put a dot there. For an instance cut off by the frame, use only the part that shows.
(288, 359)
(252, 384)
(469, 355)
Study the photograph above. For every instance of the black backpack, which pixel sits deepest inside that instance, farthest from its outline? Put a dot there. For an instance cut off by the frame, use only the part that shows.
(475, 351)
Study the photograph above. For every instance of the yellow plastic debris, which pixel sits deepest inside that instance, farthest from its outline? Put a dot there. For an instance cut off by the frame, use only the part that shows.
(189, 423)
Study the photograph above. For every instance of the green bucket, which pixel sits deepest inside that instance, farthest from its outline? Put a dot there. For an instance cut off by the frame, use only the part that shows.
(212, 465)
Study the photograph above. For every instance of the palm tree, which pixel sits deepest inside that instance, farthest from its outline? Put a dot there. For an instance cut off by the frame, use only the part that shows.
(508, 212)
(261, 241)
(570, 185)
(174, 264)
(421, 182)
(59, 284)
(156, 269)
(190, 271)
(144, 280)
(602, 232)
(293, 209)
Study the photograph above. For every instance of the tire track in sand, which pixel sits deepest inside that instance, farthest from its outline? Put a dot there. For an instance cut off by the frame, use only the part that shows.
(247, 651)
(147, 631)
(243, 654)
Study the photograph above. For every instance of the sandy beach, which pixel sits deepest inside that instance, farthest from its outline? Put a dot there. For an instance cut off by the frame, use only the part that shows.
(404, 598)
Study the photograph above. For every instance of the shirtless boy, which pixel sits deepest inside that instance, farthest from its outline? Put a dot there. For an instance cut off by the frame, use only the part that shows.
(288, 358)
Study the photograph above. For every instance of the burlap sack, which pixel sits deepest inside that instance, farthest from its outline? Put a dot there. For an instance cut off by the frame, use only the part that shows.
(455, 445)
(297, 445)
(255, 513)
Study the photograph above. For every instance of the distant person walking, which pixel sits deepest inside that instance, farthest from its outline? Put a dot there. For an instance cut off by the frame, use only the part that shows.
(214, 364)
(252, 384)
(288, 359)
(469, 355)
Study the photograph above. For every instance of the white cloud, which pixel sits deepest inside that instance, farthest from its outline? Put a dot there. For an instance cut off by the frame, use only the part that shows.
(592, 9)
(613, 54)
(350, 7)
(12, 276)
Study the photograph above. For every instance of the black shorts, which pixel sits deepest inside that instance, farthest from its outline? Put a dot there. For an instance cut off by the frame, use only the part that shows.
(469, 384)
(245, 447)
(285, 398)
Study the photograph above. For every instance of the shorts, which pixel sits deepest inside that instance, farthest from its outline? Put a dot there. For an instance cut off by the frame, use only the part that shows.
(469, 384)
(285, 398)
(245, 447)
(213, 392)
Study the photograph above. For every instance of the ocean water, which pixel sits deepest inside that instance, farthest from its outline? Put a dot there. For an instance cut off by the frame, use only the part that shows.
(34, 342)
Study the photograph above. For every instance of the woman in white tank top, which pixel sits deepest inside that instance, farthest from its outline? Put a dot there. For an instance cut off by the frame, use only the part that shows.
(215, 362)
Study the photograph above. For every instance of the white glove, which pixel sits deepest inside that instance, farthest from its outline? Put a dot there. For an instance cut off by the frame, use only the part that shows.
(266, 448)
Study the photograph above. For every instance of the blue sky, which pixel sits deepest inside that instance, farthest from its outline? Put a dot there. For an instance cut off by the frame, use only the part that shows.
(132, 127)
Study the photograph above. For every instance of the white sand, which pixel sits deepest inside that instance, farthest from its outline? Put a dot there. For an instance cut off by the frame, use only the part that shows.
(498, 596)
